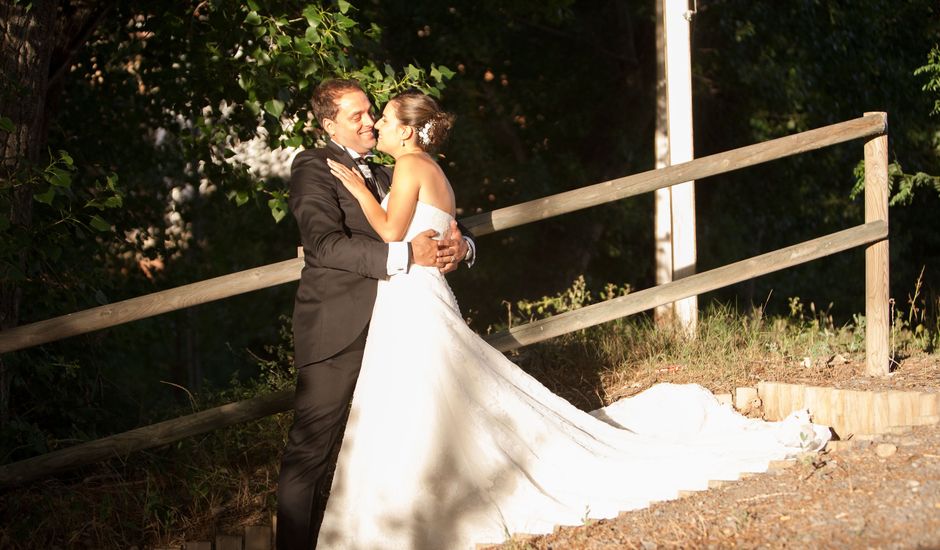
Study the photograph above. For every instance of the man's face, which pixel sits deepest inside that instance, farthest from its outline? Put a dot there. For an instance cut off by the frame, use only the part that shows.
(352, 126)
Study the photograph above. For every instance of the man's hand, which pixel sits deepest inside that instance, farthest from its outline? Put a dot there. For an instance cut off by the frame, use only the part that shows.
(424, 249)
(451, 250)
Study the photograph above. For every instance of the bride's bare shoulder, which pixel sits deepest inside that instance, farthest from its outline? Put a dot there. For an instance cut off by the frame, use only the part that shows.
(418, 161)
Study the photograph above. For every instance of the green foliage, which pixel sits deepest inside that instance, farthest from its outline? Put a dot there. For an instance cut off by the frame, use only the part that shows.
(574, 297)
(67, 219)
(901, 186)
(218, 73)
(932, 71)
(767, 70)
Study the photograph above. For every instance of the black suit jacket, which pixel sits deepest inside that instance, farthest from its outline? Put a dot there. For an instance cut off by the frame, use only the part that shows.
(343, 256)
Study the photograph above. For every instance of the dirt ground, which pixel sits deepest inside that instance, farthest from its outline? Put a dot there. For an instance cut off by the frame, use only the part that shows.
(881, 492)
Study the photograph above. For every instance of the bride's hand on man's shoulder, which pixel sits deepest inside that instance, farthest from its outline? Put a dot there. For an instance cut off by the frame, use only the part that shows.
(351, 179)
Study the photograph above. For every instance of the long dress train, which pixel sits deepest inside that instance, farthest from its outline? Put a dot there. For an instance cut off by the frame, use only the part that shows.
(449, 444)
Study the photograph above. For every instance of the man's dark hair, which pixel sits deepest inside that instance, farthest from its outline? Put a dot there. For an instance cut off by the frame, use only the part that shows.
(328, 93)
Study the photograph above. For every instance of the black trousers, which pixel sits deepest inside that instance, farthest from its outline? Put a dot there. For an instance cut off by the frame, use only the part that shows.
(321, 405)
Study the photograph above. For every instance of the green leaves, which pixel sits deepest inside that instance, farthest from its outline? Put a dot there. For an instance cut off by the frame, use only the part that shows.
(932, 71)
(343, 21)
(253, 18)
(6, 125)
(99, 223)
(312, 14)
(274, 107)
(100, 196)
(57, 177)
(278, 206)
(311, 37)
(114, 201)
(258, 59)
(57, 172)
(284, 56)
(45, 197)
(241, 197)
(441, 73)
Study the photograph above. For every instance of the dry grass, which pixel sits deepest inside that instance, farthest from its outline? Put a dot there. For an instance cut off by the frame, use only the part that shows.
(597, 366)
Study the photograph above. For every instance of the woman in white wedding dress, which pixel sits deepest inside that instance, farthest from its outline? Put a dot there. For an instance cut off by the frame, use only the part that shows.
(449, 444)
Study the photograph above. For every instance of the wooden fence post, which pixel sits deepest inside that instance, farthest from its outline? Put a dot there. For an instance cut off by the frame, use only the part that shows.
(877, 313)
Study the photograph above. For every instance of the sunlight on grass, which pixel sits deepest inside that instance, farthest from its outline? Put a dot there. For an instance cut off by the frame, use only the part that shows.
(601, 364)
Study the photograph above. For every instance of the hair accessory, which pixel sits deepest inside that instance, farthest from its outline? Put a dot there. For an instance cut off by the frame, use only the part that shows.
(424, 132)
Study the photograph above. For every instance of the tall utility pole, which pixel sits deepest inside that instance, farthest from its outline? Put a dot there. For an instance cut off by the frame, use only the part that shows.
(676, 18)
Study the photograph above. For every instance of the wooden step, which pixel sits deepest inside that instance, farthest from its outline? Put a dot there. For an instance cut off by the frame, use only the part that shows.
(851, 412)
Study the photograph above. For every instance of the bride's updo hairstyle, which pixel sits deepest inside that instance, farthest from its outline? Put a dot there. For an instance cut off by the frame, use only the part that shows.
(421, 112)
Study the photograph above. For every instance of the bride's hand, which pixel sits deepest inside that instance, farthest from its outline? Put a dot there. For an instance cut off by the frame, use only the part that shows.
(351, 179)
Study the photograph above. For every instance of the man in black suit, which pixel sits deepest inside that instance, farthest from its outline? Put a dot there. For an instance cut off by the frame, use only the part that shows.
(343, 259)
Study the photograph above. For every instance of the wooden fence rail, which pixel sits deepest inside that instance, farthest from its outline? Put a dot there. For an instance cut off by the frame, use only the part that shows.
(233, 413)
(98, 318)
(173, 299)
(872, 124)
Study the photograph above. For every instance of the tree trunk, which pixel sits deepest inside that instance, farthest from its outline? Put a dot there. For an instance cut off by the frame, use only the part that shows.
(27, 41)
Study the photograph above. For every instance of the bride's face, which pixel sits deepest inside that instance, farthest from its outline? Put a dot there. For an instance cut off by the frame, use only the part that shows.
(391, 130)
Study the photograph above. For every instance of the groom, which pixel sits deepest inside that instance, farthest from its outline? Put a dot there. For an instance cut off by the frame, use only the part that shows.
(343, 258)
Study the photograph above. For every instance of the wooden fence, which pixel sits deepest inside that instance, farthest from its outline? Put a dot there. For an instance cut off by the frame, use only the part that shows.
(873, 234)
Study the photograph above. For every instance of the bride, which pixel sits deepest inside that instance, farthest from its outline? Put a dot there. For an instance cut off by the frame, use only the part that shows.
(449, 444)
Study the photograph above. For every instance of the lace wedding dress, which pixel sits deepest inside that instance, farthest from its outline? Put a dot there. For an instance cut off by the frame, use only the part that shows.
(449, 444)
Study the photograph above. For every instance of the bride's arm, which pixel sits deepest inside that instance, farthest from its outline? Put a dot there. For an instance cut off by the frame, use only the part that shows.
(391, 225)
